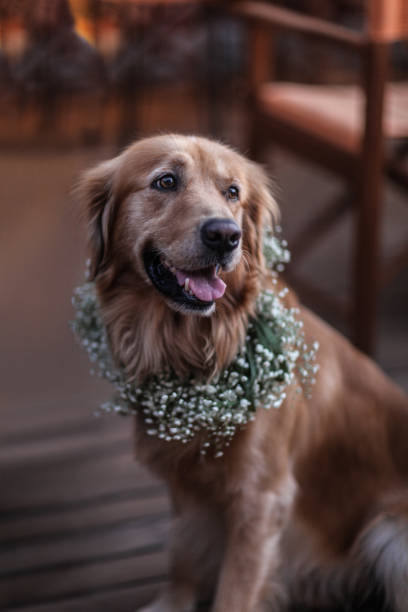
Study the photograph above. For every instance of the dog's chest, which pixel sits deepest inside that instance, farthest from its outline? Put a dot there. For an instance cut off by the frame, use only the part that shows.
(182, 465)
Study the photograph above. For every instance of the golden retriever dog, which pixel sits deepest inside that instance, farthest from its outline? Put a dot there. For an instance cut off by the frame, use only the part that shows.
(308, 505)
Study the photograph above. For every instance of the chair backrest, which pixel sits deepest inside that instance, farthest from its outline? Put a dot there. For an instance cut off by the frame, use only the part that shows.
(387, 20)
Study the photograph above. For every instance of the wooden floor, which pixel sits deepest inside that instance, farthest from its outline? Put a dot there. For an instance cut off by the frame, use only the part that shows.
(82, 527)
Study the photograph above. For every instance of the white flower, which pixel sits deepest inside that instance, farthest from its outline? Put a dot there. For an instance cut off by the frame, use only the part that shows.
(176, 410)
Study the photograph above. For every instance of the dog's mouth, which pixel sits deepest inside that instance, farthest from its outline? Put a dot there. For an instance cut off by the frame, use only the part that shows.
(192, 289)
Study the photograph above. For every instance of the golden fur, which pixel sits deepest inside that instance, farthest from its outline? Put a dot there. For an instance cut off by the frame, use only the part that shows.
(309, 500)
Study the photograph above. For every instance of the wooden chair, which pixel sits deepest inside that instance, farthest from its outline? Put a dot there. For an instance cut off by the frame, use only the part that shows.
(342, 128)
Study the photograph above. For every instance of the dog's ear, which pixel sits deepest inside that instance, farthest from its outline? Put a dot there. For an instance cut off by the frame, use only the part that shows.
(95, 194)
(262, 210)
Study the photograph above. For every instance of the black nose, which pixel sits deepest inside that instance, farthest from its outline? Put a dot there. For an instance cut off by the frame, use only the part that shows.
(221, 235)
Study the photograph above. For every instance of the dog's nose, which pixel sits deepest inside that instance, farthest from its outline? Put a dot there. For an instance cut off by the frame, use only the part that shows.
(221, 235)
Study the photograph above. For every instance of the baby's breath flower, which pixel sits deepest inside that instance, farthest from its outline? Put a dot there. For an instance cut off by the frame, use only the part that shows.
(274, 353)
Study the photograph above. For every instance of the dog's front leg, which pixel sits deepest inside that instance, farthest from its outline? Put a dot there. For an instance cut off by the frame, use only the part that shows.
(179, 596)
(181, 593)
(196, 549)
(254, 524)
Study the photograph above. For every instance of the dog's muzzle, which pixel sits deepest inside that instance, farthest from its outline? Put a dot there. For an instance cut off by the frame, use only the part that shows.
(194, 289)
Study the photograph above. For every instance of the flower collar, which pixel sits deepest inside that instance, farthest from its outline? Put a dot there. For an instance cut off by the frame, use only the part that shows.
(258, 377)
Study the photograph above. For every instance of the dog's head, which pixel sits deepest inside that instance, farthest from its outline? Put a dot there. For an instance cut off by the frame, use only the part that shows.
(182, 212)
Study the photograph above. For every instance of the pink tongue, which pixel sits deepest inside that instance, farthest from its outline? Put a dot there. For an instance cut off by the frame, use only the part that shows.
(204, 288)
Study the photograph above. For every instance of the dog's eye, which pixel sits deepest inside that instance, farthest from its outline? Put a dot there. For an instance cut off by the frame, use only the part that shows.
(233, 193)
(167, 182)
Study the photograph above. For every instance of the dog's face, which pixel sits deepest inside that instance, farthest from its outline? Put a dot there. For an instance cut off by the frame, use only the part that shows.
(180, 210)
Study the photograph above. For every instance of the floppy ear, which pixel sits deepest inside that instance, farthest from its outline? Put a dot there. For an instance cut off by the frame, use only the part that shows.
(262, 211)
(95, 193)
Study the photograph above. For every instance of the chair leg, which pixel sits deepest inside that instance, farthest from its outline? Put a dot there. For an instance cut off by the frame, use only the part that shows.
(367, 264)
(367, 237)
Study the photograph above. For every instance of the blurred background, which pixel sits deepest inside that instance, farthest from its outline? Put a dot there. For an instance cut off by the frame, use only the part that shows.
(317, 91)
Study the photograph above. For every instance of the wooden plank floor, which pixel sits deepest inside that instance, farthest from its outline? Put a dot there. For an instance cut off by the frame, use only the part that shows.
(80, 521)
(82, 526)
